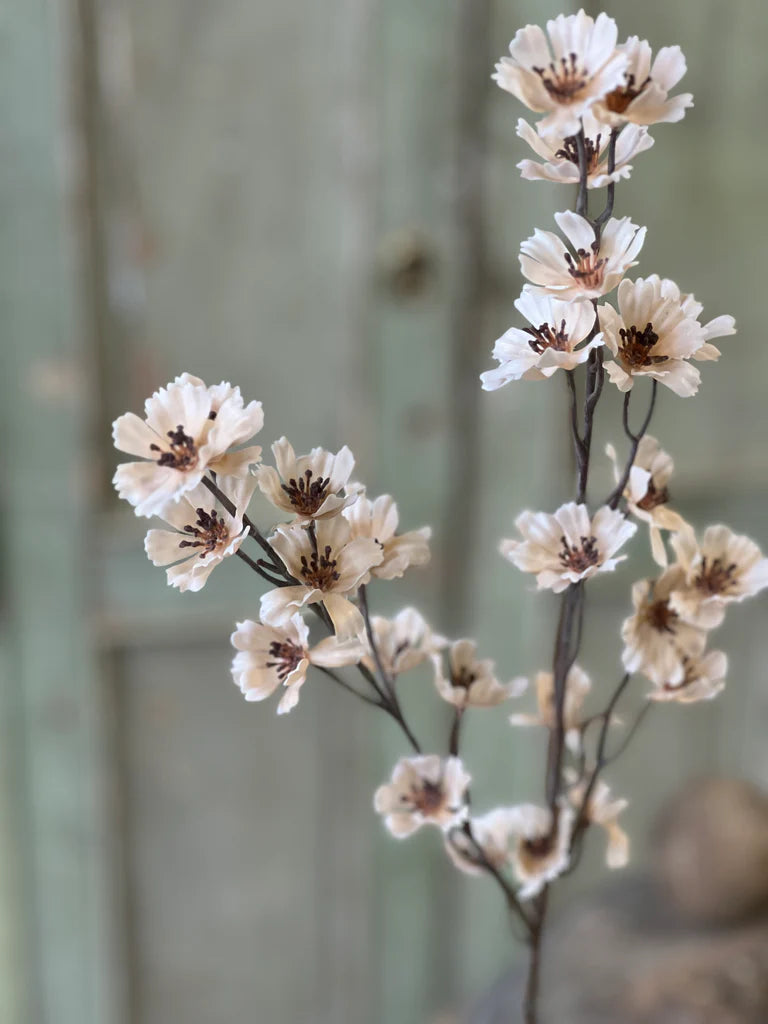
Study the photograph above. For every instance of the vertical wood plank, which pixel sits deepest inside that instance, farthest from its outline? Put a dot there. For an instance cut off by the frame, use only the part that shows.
(46, 479)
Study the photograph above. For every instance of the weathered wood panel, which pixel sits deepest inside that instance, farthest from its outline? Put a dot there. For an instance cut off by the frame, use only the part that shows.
(296, 198)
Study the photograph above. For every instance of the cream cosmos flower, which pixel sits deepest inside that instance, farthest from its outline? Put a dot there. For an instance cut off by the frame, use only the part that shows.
(472, 682)
(269, 657)
(723, 568)
(538, 855)
(188, 429)
(404, 641)
(424, 790)
(647, 493)
(563, 75)
(590, 268)
(327, 569)
(643, 96)
(378, 520)
(549, 344)
(703, 679)
(656, 639)
(602, 811)
(567, 547)
(204, 533)
(308, 486)
(577, 686)
(561, 157)
(651, 336)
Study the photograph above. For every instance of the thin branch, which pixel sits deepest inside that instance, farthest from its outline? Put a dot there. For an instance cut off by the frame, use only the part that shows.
(345, 685)
(258, 568)
(563, 657)
(454, 738)
(480, 859)
(610, 758)
(615, 496)
(610, 192)
(582, 198)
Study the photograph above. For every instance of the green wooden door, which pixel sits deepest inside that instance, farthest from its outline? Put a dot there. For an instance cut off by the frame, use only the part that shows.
(320, 203)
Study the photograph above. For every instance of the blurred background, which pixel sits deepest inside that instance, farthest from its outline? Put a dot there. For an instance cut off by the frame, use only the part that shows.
(318, 202)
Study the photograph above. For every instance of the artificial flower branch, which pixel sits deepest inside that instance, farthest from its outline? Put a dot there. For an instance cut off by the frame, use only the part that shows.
(333, 540)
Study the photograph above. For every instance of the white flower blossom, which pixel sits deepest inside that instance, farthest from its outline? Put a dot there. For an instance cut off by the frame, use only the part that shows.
(568, 546)
(269, 657)
(423, 790)
(590, 268)
(204, 533)
(703, 679)
(723, 568)
(656, 639)
(378, 520)
(403, 642)
(308, 486)
(561, 157)
(327, 568)
(563, 75)
(577, 686)
(651, 336)
(539, 855)
(472, 682)
(643, 97)
(188, 429)
(647, 493)
(603, 811)
(549, 344)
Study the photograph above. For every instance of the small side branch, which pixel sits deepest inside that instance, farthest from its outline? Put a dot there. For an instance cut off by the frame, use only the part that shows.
(610, 191)
(615, 496)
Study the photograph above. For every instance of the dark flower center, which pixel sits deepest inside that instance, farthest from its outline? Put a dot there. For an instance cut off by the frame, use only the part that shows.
(547, 336)
(182, 452)
(586, 268)
(427, 797)
(636, 346)
(661, 617)
(320, 570)
(716, 577)
(570, 151)
(286, 657)
(305, 494)
(579, 558)
(653, 497)
(463, 678)
(563, 81)
(209, 532)
(618, 100)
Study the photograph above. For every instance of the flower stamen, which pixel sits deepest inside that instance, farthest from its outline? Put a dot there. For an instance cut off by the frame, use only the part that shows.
(183, 450)
(565, 82)
(579, 559)
(287, 657)
(636, 346)
(546, 336)
(618, 100)
(320, 570)
(586, 267)
(570, 151)
(209, 531)
(716, 578)
(307, 495)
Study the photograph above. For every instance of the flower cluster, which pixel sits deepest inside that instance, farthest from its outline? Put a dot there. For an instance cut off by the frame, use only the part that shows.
(597, 99)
